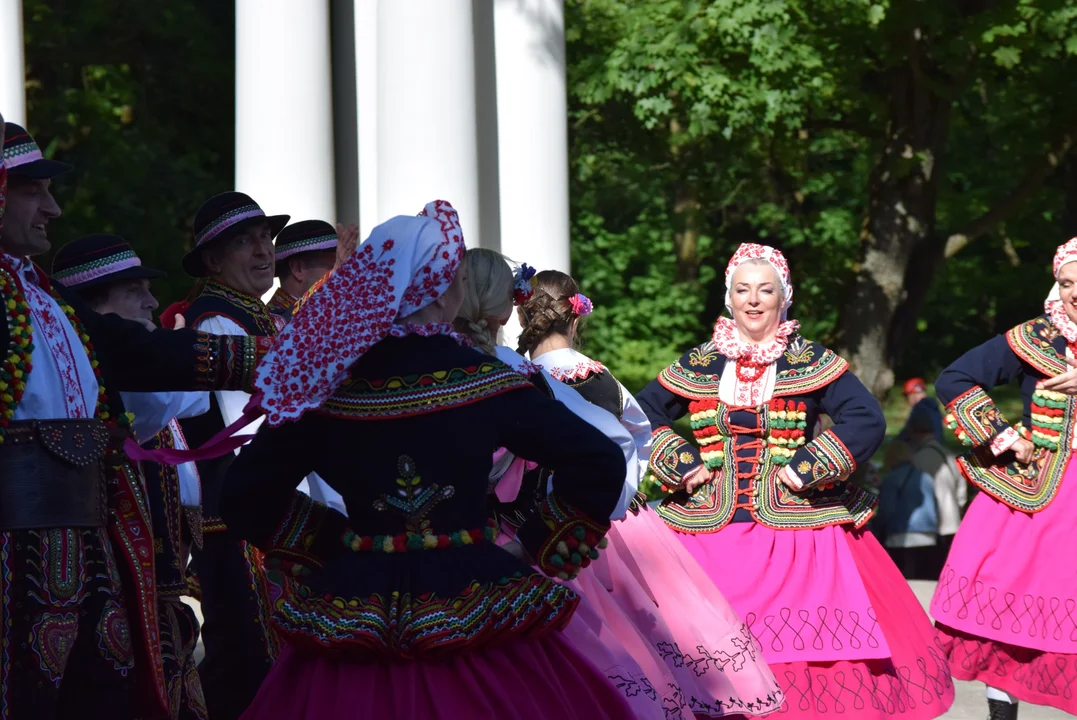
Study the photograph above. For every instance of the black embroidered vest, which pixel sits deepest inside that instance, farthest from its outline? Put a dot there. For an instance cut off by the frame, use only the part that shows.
(251, 314)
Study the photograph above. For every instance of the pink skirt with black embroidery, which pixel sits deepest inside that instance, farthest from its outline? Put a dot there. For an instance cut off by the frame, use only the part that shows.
(520, 680)
(1006, 603)
(838, 624)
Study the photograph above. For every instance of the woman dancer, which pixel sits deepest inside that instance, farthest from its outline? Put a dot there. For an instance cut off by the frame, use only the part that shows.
(762, 505)
(424, 617)
(701, 662)
(1005, 602)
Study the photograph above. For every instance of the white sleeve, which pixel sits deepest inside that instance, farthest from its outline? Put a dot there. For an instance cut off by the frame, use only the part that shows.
(638, 426)
(319, 490)
(231, 402)
(152, 411)
(611, 428)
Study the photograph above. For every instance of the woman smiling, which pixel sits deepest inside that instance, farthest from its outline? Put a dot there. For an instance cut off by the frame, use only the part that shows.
(763, 505)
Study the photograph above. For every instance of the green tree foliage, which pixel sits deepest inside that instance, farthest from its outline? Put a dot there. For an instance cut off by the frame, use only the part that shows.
(910, 157)
(139, 98)
(902, 154)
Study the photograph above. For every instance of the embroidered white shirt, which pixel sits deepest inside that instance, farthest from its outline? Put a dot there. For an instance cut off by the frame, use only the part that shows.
(62, 383)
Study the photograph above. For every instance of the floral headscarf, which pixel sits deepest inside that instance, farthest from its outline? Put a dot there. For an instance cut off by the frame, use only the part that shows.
(1066, 253)
(726, 337)
(405, 264)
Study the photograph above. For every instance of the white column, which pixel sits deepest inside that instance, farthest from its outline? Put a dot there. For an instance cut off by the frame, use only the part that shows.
(366, 97)
(532, 121)
(284, 110)
(426, 123)
(12, 65)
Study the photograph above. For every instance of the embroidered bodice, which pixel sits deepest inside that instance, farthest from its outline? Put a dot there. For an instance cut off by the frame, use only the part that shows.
(407, 441)
(749, 427)
(1027, 354)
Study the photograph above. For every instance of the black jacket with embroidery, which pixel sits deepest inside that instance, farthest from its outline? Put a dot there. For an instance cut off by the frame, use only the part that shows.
(744, 449)
(251, 314)
(408, 443)
(1028, 353)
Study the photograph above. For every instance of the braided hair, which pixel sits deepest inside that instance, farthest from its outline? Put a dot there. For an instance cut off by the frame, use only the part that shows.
(548, 311)
(488, 295)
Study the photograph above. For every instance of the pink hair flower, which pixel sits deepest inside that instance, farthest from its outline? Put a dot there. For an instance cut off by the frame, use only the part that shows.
(581, 304)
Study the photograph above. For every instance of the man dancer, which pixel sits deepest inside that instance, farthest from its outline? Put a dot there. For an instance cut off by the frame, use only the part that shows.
(68, 646)
(104, 271)
(305, 252)
(233, 254)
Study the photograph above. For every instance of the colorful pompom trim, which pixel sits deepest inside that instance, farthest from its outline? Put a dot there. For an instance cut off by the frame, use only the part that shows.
(426, 540)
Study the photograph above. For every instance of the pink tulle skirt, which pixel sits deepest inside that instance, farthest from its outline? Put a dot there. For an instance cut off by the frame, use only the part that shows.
(1006, 602)
(652, 621)
(521, 680)
(668, 598)
(826, 656)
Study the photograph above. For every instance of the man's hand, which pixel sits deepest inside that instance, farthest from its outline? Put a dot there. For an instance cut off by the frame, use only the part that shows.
(1024, 450)
(347, 239)
(1064, 383)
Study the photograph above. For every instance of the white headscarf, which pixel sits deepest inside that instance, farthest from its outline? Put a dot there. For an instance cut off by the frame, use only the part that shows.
(405, 264)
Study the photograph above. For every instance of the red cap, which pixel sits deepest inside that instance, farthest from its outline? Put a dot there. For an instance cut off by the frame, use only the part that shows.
(914, 385)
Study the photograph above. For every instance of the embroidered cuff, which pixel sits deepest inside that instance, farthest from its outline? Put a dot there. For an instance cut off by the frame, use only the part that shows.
(974, 418)
(227, 362)
(562, 539)
(307, 536)
(1004, 441)
(823, 462)
(672, 458)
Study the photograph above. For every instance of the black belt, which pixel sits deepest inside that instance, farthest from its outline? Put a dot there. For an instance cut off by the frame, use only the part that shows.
(51, 474)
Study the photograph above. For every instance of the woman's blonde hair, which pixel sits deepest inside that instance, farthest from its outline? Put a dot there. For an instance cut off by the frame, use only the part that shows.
(488, 295)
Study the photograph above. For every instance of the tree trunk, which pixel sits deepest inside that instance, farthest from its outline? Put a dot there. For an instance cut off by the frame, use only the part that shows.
(899, 252)
(686, 237)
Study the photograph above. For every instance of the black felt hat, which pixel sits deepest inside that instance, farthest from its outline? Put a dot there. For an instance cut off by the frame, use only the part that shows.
(98, 259)
(221, 217)
(305, 236)
(23, 157)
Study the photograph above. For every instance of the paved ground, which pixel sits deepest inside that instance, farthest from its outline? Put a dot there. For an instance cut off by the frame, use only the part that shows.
(969, 704)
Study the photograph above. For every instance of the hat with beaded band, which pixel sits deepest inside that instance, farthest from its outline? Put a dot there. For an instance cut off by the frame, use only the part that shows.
(97, 259)
(23, 157)
(305, 236)
(221, 217)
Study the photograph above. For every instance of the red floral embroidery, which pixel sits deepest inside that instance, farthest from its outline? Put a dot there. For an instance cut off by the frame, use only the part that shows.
(403, 266)
(580, 371)
(1061, 320)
